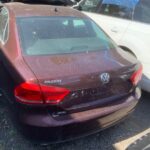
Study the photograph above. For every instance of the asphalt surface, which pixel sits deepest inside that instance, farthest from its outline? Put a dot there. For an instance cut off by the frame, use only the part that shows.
(12, 138)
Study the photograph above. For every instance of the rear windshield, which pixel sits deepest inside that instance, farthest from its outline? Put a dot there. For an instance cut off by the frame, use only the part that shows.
(59, 35)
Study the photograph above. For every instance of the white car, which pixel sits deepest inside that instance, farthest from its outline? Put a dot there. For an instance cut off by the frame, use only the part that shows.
(128, 23)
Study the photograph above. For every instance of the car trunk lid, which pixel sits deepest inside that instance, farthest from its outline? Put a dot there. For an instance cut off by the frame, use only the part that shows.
(90, 77)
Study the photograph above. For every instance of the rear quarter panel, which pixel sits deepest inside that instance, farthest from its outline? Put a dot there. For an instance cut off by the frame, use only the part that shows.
(137, 39)
(11, 55)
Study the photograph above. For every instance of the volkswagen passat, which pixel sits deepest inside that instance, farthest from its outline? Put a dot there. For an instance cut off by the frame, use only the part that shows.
(67, 71)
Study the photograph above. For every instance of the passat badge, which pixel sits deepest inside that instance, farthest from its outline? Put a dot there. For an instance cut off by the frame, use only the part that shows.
(105, 77)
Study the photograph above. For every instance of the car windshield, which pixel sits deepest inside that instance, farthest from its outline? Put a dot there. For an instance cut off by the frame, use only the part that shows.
(59, 35)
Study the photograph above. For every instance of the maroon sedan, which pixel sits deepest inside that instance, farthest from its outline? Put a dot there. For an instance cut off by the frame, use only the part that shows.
(67, 71)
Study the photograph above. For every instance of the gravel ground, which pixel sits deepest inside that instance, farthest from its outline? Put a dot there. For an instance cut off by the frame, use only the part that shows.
(11, 137)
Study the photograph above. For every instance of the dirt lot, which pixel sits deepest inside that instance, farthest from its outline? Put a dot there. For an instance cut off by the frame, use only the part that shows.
(11, 137)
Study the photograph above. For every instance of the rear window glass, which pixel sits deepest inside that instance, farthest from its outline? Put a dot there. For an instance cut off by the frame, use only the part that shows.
(59, 35)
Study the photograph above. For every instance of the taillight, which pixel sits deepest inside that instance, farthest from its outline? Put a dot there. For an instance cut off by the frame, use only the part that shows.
(30, 93)
(136, 76)
(54, 95)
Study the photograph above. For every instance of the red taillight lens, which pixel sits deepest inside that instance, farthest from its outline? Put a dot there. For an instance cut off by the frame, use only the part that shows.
(136, 77)
(30, 93)
(54, 95)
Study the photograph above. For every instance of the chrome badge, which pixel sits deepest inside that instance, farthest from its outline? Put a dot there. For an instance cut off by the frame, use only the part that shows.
(105, 77)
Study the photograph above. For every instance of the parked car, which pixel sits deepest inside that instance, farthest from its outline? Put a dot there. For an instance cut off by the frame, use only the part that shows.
(128, 23)
(67, 71)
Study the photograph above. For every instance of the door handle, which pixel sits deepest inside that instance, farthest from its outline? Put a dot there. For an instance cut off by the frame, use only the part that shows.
(114, 29)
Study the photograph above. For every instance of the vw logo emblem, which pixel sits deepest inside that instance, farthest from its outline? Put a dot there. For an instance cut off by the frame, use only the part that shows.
(105, 77)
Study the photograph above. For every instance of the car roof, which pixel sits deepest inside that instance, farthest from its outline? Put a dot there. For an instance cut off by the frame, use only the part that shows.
(27, 10)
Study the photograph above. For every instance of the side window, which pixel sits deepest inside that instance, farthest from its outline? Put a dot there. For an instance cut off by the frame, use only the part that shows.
(89, 5)
(118, 8)
(3, 24)
(78, 23)
(142, 11)
(78, 28)
(81, 29)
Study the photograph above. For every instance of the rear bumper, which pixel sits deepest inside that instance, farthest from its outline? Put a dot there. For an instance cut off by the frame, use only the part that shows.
(145, 83)
(105, 115)
(74, 131)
